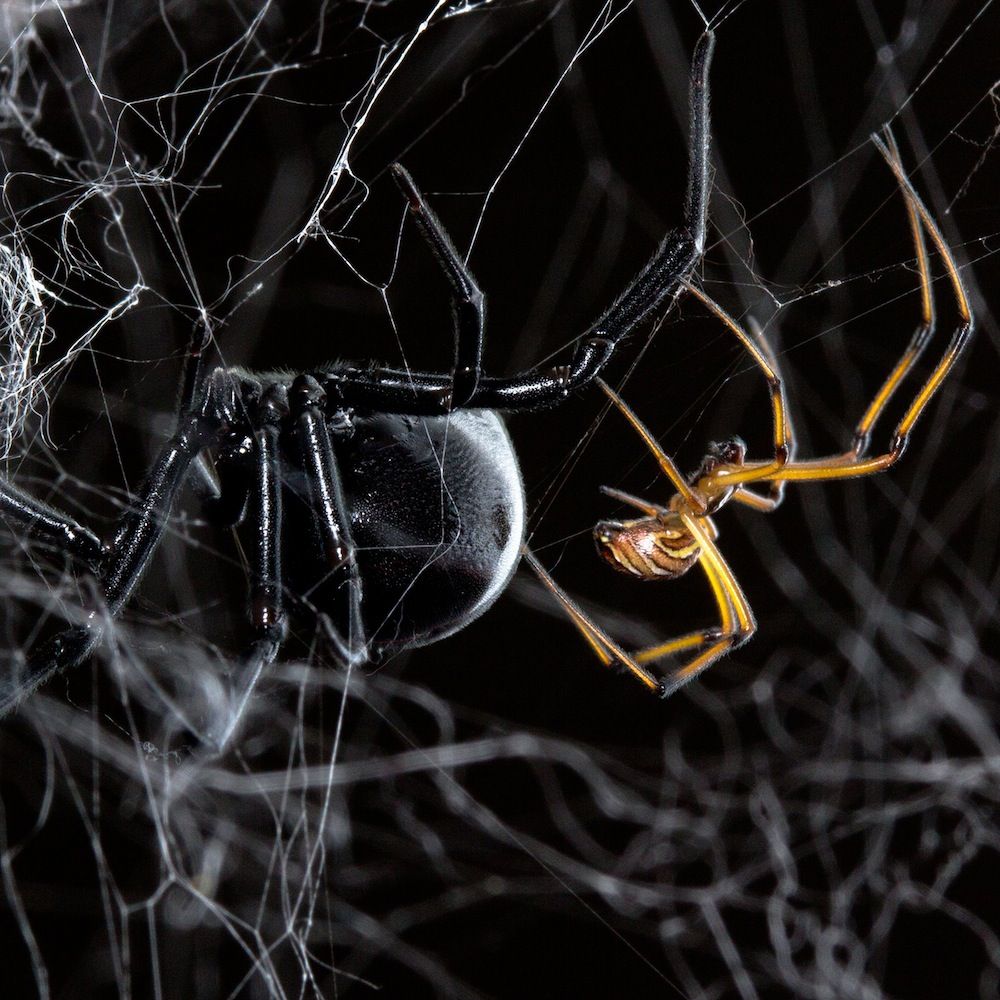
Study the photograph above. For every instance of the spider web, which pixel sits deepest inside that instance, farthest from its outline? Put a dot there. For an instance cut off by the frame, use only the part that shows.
(497, 815)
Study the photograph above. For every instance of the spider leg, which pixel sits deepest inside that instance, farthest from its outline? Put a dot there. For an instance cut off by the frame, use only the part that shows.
(694, 500)
(332, 518)
(763, 356)
(853, 463)
(191, 379)
(267, 610)
(736, 626)
(647, 508)
(759, 502)
(923, 332)
(468, 305)
(662, 277)
(404, 391)
(136, 537)
(267, 613)
(233, 476)
(727, 590)
(60, 530)
(607, 650)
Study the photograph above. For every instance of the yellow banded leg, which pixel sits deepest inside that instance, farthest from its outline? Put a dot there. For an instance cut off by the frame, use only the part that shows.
(734, 592)
(962, 334)
(755, 501)
(850, 464)
(732, 604)
(695, 639)
(674, 474)
(763, 357)
(921, 336)
(603, 645)
(736, 623)
(649, 509)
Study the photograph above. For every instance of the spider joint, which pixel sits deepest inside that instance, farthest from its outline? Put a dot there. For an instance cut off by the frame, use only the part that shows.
(307, 394)
(273, 407)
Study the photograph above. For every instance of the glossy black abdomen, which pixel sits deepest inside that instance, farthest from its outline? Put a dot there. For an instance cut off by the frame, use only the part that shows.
(437, 514)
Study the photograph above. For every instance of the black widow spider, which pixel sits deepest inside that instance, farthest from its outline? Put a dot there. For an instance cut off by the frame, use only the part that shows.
(416, 524)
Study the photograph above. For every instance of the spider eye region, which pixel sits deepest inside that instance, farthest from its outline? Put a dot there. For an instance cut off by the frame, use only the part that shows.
(437, 516)
(647, 548)
(732, 451)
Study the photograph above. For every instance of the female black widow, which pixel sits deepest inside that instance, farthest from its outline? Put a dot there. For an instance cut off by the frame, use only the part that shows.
(400, 565)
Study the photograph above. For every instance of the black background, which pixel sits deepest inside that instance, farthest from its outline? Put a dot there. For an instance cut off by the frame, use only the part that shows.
(519, 821)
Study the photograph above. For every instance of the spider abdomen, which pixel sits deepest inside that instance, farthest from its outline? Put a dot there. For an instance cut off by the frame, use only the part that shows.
(647, 547)
(437, 515)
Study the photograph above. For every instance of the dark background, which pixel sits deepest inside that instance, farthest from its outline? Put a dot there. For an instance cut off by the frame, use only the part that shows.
(816, 815)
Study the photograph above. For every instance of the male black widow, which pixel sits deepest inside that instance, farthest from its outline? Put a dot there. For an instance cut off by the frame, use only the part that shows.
(668, 540)
(416, 524)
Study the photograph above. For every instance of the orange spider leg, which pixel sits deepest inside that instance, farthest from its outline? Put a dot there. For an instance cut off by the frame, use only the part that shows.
(765, 504)
(694, 500)
(603, 645)
(918, 342)
(921, 336)
(736, 621)
(764, 359)
(649, 509)
(694, 639)
(851, 464)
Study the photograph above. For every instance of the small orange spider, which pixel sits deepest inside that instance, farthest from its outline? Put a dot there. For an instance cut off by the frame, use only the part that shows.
(667, 541)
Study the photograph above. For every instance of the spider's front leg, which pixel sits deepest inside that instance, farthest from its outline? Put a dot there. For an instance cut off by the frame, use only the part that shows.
(401, 390)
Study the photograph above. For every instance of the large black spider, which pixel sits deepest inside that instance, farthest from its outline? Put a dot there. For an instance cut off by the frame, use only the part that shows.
(415, 494)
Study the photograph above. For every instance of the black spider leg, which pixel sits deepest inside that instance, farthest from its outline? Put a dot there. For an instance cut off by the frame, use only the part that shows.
(468, 306)
(257, 500)
(53, 526)
(136, 537)
(225, 484)
(402, 391)
(331, 516)
(56, 527)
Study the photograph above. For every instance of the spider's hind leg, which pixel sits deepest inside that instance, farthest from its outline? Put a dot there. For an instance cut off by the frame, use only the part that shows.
(737, 622)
